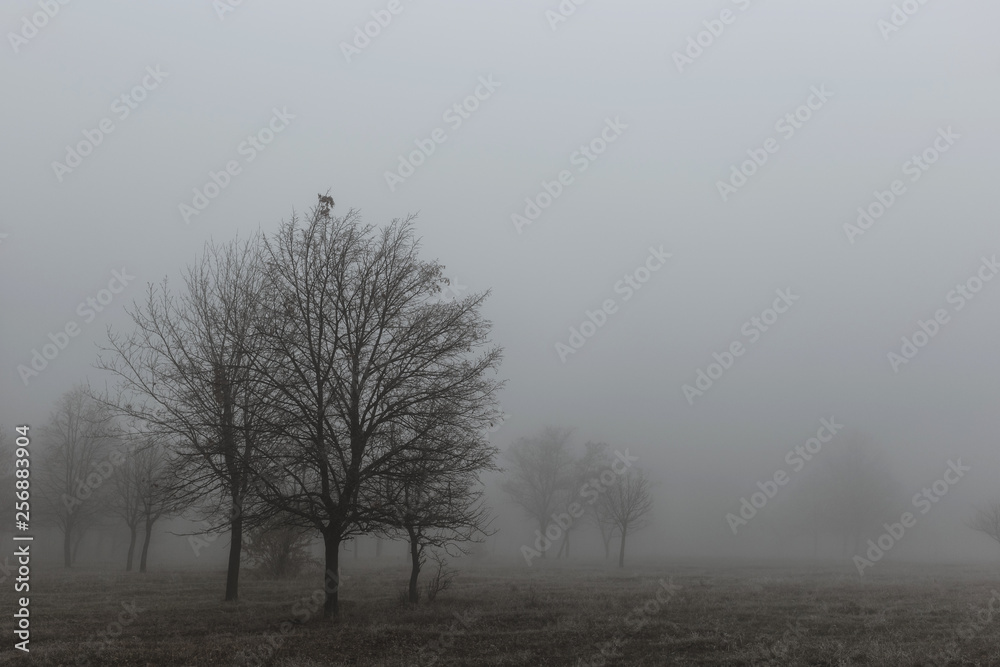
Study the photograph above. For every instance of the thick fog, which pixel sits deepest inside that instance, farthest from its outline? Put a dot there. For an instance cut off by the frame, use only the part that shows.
(794, 188)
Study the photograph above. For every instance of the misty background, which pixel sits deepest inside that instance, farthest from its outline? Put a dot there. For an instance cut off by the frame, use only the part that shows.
(656, 185)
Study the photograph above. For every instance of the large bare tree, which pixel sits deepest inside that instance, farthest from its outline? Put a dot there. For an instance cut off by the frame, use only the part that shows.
(78, 443)
(360, 343)
(187, 371)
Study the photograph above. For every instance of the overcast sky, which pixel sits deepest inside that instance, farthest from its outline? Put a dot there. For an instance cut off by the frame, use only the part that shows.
(340, 111)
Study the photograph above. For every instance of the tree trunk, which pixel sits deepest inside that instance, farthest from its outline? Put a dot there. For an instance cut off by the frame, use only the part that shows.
(67, 547)
(76, 545)
(133, 533)
(414, 566)
(621, 551)
(145, 545)
(235, 549)
(331, 578)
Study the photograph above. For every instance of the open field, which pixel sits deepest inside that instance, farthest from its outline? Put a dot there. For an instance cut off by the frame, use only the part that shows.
(752, 615)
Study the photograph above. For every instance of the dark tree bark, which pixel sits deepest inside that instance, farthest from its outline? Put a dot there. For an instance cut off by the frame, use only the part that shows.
(133, 534)
(235, 551)
(145, 546)
(621, 551)
(414, 567)
(331, 578)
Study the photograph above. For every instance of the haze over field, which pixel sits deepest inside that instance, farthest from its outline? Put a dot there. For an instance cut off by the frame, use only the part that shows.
(595, 176)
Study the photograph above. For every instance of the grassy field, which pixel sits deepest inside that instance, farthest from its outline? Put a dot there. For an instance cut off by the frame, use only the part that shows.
(543, 615)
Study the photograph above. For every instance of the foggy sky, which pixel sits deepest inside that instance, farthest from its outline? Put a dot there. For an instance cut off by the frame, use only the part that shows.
(656, 185)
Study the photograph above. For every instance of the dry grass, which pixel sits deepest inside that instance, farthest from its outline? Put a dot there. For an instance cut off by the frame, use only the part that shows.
(895, 616)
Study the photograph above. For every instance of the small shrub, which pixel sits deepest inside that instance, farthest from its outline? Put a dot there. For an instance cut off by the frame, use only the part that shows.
(441, 577)
(278, 552)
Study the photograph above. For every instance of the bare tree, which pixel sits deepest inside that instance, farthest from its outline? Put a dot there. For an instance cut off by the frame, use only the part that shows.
(986, 520)
(539, 474)
(357, 344)
(595, 461)
(627, 505)
(187, 371)
(435, 499)
(78, 443)
(583, 476)
(852, 490)
(157, 494)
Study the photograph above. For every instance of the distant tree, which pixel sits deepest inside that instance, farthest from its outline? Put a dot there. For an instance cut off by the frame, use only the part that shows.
(854, 491)
(627, 505)
(78, 443)
(125, 502)
(986, 520)
(539, 475)
(157, 494)
(595, 459)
